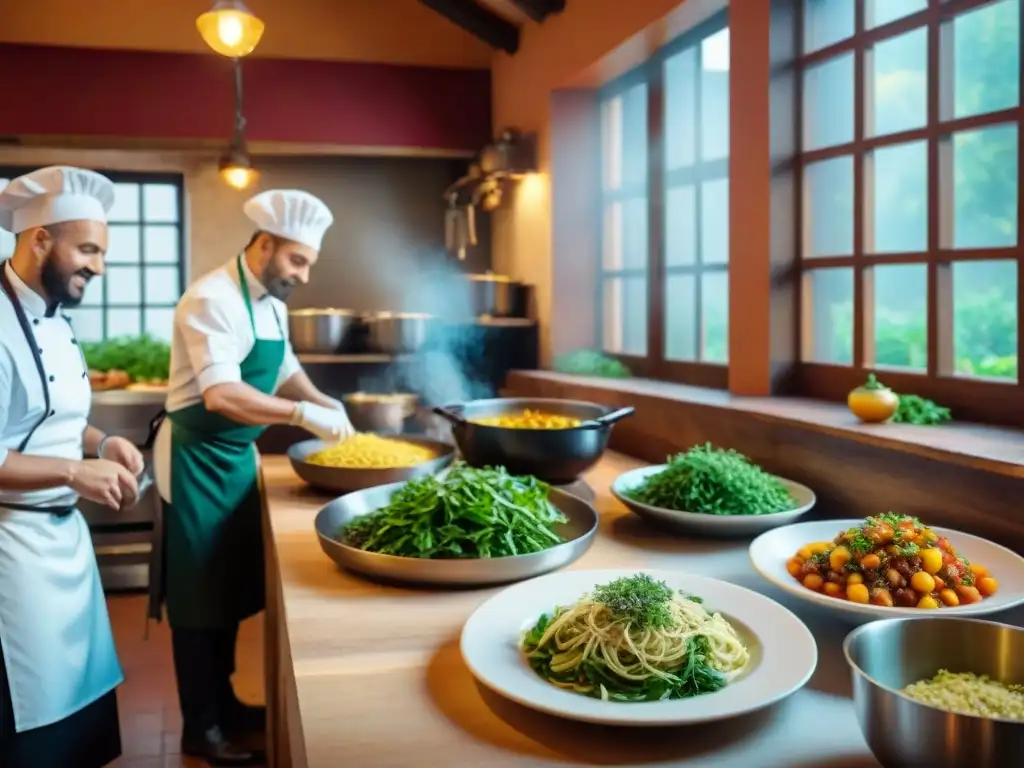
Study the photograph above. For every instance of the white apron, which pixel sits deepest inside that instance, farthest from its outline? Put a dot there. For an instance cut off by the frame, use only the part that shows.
(58, 648)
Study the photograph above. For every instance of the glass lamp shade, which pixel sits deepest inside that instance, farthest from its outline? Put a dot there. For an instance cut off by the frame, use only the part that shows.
(230, 28)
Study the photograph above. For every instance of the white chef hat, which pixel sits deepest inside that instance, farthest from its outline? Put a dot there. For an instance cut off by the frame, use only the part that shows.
(54, 195)
(292, 214)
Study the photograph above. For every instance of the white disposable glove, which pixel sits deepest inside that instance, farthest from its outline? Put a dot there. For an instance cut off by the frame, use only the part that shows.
(330, 424)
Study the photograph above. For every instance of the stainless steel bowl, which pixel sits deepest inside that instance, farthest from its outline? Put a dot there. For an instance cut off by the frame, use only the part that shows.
(319, 331)
(398, 333)
(578, 534)
(379, 413)
(887, 655)
(342, 480)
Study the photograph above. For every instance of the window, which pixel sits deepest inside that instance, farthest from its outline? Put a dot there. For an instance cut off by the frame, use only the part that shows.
(144, 275)
(663, 287)
(910, 252)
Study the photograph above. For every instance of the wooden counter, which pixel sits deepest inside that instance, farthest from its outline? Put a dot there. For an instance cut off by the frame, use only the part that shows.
(371, 676)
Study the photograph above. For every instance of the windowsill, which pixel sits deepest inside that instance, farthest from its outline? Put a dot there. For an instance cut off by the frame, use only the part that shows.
(990, 449)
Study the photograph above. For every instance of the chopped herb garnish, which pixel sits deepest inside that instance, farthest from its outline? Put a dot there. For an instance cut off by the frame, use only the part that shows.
(640, 600)
(909, 549)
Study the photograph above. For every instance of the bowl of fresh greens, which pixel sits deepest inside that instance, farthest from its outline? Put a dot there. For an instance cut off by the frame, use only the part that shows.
(467, 526)
(712, 492)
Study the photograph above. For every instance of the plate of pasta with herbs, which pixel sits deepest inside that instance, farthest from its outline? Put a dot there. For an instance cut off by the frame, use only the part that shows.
(888, 565)
(637, 648)
(712, 491)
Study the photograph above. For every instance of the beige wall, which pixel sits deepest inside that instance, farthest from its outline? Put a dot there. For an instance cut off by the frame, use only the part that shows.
(396, 31)
(589, 43)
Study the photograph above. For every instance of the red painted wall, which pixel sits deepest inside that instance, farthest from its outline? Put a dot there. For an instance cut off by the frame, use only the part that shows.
(93, 92)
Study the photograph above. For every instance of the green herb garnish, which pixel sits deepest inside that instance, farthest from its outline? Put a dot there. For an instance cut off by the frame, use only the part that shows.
(638, 600)
(469, 513)
(143, 358)
(894, 520)
(909, 549)
(712, 481)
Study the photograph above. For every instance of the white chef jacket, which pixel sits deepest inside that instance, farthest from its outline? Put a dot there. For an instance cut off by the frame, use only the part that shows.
(57, 643)
(212, 335)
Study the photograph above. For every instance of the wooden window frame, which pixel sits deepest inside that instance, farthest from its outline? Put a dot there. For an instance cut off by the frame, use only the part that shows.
(651, 73)
(971, 398)
(177, 180)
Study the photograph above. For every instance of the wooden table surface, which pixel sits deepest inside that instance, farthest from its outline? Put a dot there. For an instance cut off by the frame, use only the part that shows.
(369, 675)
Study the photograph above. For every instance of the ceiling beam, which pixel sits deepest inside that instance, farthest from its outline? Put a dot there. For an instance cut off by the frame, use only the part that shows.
(538, 10)
(478, 21)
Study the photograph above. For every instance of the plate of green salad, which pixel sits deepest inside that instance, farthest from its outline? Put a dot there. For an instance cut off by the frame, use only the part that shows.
(713, 491)
(465, 526)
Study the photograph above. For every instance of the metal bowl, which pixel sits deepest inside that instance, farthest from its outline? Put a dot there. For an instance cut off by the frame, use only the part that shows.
(379, 413)
(398, 333)
(342, 480)
(578, 533)
(319, 331)
(887, 655)
(710, 525)
(557, 456)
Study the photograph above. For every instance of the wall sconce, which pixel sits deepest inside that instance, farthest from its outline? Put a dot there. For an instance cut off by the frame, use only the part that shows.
(230, 28)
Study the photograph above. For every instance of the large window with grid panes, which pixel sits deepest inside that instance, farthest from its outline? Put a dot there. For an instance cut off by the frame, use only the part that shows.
(911, 213)
(663, 292)
(145, 273)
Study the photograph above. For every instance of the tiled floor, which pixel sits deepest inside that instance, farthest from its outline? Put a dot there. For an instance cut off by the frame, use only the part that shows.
(148, 700)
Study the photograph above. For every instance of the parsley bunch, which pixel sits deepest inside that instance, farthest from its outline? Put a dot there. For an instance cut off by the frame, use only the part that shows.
(712, 481)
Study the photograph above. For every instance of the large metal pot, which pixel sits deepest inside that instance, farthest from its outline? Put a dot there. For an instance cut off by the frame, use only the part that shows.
(497, 296)
(319, 331)
(398, 333)
(557, 456)
(885, 656)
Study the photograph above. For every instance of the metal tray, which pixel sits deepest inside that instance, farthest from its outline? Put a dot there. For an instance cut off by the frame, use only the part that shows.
(343, 480)
(578, 532)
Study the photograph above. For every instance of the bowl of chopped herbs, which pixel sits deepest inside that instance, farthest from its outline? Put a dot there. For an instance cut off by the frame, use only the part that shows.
(712, 491)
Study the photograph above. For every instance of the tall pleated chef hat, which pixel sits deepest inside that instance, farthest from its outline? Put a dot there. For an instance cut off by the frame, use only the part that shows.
(292, 214)
(54, 195)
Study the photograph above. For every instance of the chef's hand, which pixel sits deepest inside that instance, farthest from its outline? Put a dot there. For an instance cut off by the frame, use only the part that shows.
(330, 424)
(104, 482)
(124, 453)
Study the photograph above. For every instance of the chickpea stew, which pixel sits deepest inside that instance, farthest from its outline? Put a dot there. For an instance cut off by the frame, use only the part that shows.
(892, 559)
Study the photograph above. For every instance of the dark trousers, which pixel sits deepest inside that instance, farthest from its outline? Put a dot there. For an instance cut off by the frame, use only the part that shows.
(89, 738)
(204, 661)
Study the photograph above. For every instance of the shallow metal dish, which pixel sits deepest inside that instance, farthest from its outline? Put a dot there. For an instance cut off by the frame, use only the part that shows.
(342, 480)
(557, 456)
(319, 331)
(710, 525)
(885, 656)
(578, 533)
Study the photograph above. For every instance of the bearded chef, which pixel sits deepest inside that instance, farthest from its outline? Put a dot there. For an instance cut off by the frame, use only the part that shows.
(233, 373)
(58, 705)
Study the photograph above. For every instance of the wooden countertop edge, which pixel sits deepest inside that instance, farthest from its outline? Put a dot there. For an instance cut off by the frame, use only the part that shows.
(985, 448)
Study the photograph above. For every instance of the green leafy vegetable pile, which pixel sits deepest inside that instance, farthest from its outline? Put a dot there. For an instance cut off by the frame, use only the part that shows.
(920, 411)
(143, 358)
(588, 362)
(469, 513)
(712, 481)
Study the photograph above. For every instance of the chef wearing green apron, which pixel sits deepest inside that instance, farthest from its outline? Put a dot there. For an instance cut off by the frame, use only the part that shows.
(233, 373)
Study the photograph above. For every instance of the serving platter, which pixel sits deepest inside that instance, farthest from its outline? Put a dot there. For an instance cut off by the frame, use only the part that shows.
(770, 551)
(710, 525)
(578, 533)
(783, 653)
(345, 480)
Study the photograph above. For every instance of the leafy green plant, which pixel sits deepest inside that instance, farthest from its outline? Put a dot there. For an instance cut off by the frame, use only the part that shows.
(713, 481)
(920, 411)
(143, 358)
(588, 362)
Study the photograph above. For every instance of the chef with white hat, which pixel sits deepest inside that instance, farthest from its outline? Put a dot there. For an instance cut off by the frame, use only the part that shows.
(233, 373)
(59, 671)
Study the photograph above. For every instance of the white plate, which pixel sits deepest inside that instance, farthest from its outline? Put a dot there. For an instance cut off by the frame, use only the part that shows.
(710, 525)
(770, 551)
(783, 653)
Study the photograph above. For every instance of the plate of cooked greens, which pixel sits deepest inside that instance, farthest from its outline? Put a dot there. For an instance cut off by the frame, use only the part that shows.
(713, 492)
(467, 526)
(637, 648)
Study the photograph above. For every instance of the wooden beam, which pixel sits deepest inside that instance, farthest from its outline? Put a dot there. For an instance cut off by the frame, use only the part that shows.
(538, 10)
(478, 21)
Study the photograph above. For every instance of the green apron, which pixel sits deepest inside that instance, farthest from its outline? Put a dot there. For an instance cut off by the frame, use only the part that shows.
(214, 546)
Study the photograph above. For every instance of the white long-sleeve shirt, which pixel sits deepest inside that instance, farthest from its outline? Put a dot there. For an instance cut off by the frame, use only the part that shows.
(212, 334)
